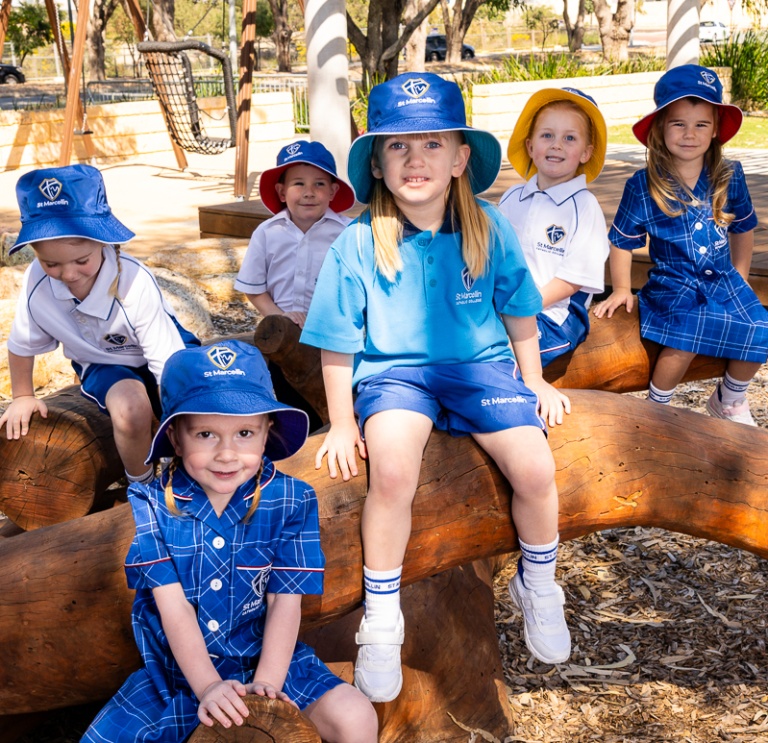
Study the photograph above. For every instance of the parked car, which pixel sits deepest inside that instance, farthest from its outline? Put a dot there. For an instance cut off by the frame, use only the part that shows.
(436, 49)
(711, 31)
(11, 74)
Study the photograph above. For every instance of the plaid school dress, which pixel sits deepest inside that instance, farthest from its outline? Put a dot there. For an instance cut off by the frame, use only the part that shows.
(226, 568)
(694, 299)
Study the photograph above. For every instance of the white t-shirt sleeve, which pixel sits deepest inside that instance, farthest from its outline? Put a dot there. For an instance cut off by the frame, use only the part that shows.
(252, 277)
(27, 338)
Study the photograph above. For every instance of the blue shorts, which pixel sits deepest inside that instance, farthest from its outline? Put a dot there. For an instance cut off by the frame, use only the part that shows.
(99, 379)
(480, 397)
(554, 339)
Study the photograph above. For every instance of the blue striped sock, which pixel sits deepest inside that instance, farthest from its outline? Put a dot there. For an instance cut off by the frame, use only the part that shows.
(732, 391)
(537, 565)
(382, 597)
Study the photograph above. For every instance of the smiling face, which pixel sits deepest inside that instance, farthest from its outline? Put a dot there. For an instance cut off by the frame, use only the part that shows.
(75, 261)
(689, 127)
(559, 143)
(306, 191)
(220, 452)
(418, 169)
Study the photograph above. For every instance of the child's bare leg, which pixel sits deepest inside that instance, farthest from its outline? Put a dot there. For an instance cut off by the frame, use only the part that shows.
(525, 459)
(131, 412)
(344, 715)
(669, 370)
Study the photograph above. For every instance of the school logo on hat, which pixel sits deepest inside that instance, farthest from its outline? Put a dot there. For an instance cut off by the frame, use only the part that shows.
(708, 77)
(222, 357)
(415, 87)
(555, 234)
(293, 149)
(115, 339)
(50, 188)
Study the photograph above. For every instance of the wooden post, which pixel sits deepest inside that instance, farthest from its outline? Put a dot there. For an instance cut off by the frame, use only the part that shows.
(5, 14)
(244, 99)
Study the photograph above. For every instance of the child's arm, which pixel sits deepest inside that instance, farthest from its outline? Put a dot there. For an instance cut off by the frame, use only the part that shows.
(621, 279)
(742, 245)
(281, 631)
(556, 290)
(219, 699)
(344, 435)
(24, 404)
(266, 306)
(523, 334)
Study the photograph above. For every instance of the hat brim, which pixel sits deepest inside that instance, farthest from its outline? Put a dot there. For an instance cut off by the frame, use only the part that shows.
(517, 152)
(105, 229)
(287, 435)
(729, 120)
(343, 199)
(484, 160)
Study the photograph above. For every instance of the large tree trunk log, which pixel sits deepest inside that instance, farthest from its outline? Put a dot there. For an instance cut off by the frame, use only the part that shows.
(61, 469)
(621, 462)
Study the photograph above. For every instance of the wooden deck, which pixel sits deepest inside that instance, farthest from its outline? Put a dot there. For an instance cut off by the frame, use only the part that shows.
(239, 219)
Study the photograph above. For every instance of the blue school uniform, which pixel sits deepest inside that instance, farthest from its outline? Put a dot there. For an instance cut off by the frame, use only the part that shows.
(694, 299)
(226, 567)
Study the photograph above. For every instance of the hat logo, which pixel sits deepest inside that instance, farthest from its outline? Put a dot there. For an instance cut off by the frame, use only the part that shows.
(555, 234)
(222, 357)
(415, 87)
(292, 149)
(50, 188)
(708, 77)
(115, 339)
(467, 278)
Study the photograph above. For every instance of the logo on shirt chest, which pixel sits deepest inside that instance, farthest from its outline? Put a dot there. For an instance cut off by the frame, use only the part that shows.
(555, 234)
(115, 339)
(468, 296)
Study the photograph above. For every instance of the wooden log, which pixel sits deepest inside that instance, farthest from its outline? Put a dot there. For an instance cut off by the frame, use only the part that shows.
(61, 469)
(620, 462)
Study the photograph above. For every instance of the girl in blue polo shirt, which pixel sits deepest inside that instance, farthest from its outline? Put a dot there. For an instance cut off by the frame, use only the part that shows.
(415, 307)
(694, 208)
(225, 546)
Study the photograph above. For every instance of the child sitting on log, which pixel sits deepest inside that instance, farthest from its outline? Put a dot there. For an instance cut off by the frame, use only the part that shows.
(103, 306)
(693, 207)
(559, 144)
(415, 308)
(284, 255)
(225, 547)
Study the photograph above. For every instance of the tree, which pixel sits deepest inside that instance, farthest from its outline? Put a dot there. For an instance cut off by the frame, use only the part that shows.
(29, 28)
(458, 16)
(541, 18)
(577, 30)
(101, 12)
(282, 34)
(265, 27)
(614, 28)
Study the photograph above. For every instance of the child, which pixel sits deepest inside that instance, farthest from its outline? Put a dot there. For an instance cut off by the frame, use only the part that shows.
(695, 208)
(415, 308)
(103, 306)
(225, 546)
(559, 144)
(285, 253)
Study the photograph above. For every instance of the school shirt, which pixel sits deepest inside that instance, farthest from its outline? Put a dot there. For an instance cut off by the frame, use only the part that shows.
(563, 235)
(225, 567)
(433, 313)
(132, 331)
(284, 261)
(694, 299)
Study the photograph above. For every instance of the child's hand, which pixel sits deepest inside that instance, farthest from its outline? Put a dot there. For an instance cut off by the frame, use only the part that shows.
(619, 297)
(265, 689)
(340, 443)
(297, 317)
(222, 702)
(552, 402)
(18, 414)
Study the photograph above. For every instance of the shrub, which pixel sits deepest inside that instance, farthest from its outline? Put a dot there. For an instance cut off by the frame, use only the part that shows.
(747, 56)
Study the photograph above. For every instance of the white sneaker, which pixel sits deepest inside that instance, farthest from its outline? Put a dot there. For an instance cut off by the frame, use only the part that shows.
(377, 669)
(738, 412)
(546, 633)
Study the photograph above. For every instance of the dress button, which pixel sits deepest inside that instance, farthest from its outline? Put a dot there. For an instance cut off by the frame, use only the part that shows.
(219, 542)
(213, 625)
(702, 250)
(707, 272)
(431, 259)
(433, 282)
(216, 584)
(697, 226)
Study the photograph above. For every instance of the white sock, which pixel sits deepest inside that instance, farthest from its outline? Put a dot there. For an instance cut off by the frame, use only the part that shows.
(663, 397)
(732, 391)
(537, 565)
(382, 597)
(148, 476)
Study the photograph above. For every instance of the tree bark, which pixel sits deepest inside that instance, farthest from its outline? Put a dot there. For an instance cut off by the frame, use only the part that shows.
(282, 34)
(614, 28)
(100, 14)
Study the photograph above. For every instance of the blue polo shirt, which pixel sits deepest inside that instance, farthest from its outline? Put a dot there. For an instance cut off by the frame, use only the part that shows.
(433, 313)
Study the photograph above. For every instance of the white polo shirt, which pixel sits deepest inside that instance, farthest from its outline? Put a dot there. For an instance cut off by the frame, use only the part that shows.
(284, 261)
(563, 235)
(136, 330)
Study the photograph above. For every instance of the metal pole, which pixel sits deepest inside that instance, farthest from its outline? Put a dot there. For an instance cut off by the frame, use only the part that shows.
(233, 34)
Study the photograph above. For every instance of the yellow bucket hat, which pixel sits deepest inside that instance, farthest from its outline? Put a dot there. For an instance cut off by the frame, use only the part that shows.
(517, 152)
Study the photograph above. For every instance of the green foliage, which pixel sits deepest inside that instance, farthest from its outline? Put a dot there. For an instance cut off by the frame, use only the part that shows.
(747, 56)
(29, 28)
(265, 21)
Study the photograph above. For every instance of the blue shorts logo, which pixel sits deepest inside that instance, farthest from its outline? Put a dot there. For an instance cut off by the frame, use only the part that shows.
(50, 188)
(222, 357)
(555, 234)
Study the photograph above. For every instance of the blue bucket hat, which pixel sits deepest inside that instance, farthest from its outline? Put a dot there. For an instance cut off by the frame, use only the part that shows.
(415, 103)
(229, 378)
(307, 153)
(691, 81)
(66, 202)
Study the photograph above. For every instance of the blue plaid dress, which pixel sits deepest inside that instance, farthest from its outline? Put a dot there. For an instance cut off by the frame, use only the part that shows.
(694, 299)
(226, 568)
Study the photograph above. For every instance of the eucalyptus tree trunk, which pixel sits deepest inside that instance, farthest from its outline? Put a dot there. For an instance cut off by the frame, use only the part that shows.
(614, 28)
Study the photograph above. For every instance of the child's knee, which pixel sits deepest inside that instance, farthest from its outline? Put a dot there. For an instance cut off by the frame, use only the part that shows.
(344, 715)
(129, 406)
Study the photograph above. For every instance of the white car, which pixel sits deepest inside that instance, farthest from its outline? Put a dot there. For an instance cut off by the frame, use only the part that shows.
(711, 31)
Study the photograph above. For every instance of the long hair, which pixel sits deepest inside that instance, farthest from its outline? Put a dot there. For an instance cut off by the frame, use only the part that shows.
(465, 212)
(671, 194)
(113, 289)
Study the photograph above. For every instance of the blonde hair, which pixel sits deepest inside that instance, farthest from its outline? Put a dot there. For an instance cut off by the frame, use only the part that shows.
(113, 287)
(466, 215)
(665, 186)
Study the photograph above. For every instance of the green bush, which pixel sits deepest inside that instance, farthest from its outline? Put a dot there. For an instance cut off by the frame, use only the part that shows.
(747, 56)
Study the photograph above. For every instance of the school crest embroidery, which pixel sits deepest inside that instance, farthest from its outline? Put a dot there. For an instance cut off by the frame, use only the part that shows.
(555, 234)
(222, 357)
(50, 188)
(708, 77)
(415, 87)
(115, 339)
(467, 279)
(259, 582)
(293, 149)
